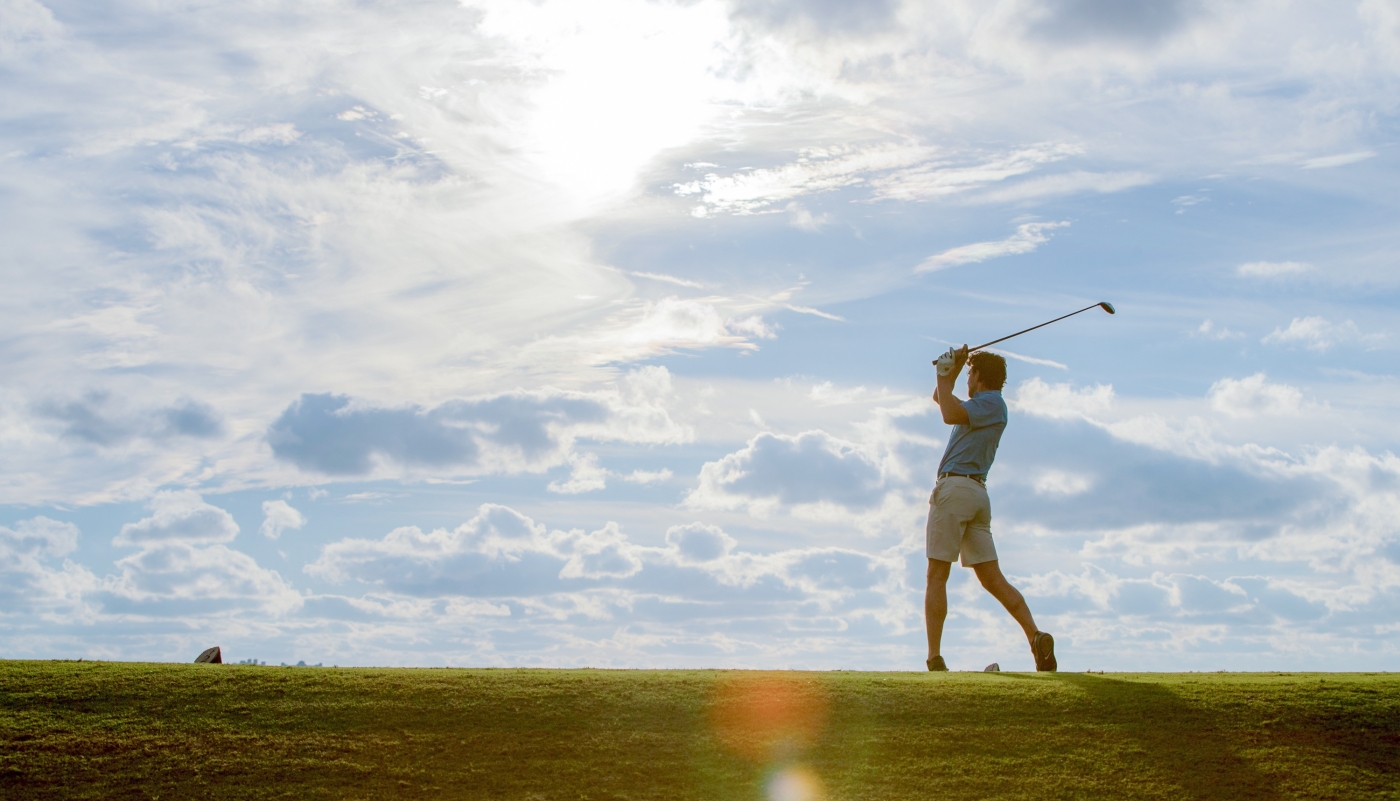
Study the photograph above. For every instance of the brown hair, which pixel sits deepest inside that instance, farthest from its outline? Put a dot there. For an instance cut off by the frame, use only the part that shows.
(991, 369)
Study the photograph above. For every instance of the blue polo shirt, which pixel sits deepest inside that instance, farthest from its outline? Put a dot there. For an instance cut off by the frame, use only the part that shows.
(972, 447)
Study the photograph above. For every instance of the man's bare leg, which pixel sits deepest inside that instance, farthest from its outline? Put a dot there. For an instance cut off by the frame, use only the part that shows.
(936, 604)
(989, 573)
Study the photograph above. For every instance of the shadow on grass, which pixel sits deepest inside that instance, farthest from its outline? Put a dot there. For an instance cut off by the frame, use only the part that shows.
(1184, 744)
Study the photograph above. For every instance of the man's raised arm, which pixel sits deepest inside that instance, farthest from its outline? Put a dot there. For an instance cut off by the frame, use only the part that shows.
(952, 408)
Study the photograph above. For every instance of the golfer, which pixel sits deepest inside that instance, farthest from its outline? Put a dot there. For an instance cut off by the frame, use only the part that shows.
(960, 515)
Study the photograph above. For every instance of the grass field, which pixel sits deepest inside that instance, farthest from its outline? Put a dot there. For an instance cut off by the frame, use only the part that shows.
(122, 730)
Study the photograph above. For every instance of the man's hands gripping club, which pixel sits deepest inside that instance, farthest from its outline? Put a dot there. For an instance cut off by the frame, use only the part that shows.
(949, 366)
(951, 363)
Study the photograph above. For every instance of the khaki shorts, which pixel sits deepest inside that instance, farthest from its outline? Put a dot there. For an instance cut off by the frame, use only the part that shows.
(959, 522)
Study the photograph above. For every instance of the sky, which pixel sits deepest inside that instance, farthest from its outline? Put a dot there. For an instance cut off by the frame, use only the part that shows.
(598, 332)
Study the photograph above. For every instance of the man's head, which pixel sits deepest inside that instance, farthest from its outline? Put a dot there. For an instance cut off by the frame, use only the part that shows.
(989, 370)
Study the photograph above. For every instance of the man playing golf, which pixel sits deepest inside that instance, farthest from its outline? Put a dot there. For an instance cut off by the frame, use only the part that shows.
(960, 515)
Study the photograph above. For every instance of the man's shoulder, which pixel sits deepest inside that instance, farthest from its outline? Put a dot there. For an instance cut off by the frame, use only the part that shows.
(987, 407)
(989, 398)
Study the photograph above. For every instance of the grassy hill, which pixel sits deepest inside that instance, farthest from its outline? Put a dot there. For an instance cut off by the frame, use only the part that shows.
(120, 730)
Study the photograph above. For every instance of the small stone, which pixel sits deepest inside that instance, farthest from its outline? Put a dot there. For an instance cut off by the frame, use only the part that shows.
(992, 668)
(212, 656)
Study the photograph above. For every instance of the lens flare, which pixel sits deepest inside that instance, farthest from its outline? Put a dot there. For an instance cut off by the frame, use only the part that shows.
(768, 717)
(795, 783)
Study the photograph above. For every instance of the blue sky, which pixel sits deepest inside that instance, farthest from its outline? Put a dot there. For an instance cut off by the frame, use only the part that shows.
(598, 333)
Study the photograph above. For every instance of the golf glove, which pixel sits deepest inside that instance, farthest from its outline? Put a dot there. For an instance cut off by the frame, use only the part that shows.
(946, 363)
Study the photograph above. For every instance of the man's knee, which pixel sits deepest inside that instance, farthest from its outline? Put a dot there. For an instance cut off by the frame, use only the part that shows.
(938, 571)
(989, 573)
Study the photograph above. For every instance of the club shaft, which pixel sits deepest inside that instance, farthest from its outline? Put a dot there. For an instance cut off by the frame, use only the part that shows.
(1032, 328)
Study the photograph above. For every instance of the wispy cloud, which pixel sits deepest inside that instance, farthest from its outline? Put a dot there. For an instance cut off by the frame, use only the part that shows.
(815, 171)
(669, 279)
(892, 173)
(1338, 160)
(1027, 238)
(1273, 269)
(940, 178)
(1067, 183)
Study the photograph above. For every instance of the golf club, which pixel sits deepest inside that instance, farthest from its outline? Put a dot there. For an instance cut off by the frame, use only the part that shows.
(1105, 305)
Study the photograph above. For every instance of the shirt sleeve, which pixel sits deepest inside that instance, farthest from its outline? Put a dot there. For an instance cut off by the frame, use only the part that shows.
(983, 411)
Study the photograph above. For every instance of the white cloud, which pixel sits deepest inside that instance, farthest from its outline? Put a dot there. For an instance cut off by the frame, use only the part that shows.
(1208, 330)
(510, 433)
(892, 173)
(1185, 202)
(1061, 401)
(1068, 183)
(803, 219)
(1029, 359)
(814, 171)
(177, 571)
(698, 543)
(656, 328)
(1060, 482)
(502, 554)
(179, 516)
(1317, 333)
(938, 178)
(1253, 396)
(649, 476)
(1273, 269)
(669, 279)
(772, 470)
(604, 553)
(585, 475)
(1338, 160)
(181, 580)
(278, 516)
(1027, 238)
(28, 582)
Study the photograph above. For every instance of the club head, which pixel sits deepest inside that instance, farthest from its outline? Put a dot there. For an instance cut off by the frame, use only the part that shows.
(1108, 307)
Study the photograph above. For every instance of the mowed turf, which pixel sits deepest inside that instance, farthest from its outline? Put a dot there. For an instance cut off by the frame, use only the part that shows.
(121, 730)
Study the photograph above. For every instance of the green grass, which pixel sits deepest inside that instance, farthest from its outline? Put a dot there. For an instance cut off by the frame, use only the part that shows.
(120, 730)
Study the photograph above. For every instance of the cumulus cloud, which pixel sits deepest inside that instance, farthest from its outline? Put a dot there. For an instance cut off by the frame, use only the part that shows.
(178, 579)
(1208, 330)
(808, 469)
(29, 581)
(649, 476)
(1061, 401)
(698, 542)
(279, 516)
(1061, 482)
(1319, 334)
(98, 419)
(1253, 396)
(183, 567)
(1027, 238)
(803, 219)
(498, 553)
(503, 554)
(179, 516)
(513, 432)
(585, 475)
